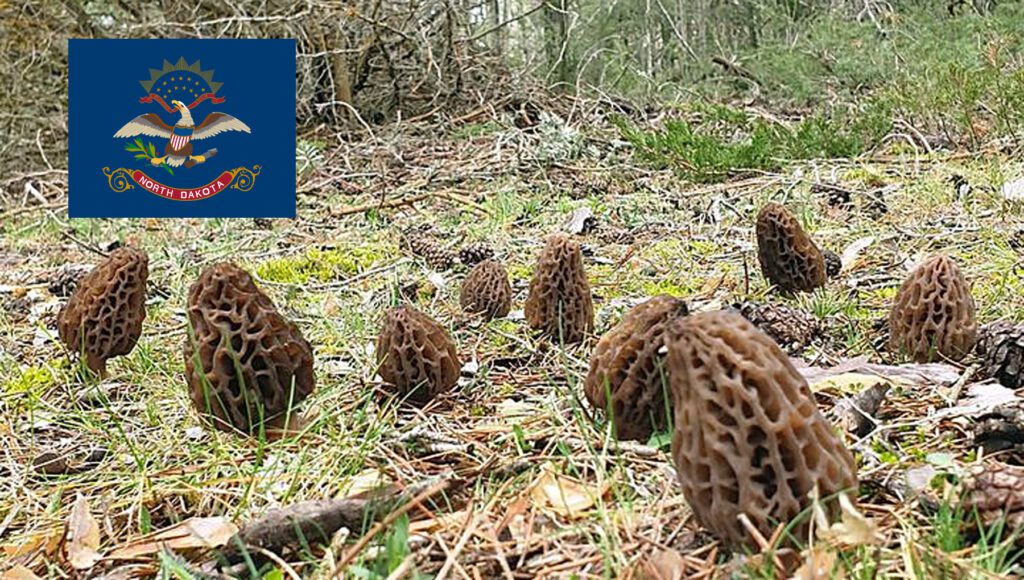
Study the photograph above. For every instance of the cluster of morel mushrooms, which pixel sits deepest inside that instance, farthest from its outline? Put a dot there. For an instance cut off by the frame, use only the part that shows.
(748, 438)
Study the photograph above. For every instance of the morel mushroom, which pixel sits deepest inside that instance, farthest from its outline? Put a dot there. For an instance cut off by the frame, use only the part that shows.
(103, 318)
(628, 367)
(247, 366)
(789, 258)
(486, 290)
(749, 438)
(416, 355)
(559, 303)
(933, 315)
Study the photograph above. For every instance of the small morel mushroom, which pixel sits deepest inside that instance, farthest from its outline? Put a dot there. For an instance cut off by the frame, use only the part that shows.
(1001, 346)
(416, 355)
(103, 317)
(486, 290)
(247, 366)
(933, 315)
(559, 302)
(749, 438)
(789, 258)
(628, 366)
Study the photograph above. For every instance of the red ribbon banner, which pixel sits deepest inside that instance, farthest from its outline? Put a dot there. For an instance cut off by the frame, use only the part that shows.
(155, 97)
(183, 194)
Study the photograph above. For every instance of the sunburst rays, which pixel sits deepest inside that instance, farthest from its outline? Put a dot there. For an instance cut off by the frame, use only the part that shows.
(168, 68)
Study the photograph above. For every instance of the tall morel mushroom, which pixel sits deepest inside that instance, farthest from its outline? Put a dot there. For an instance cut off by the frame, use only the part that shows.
(486, 290)
(628, 367)
(933, 315)
(559, 302)
(103, 317)
(789, 258)
(247, 366)
(416, 355)
(749, 438)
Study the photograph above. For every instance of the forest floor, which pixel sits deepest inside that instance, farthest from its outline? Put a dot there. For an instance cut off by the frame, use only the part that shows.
(526, 479)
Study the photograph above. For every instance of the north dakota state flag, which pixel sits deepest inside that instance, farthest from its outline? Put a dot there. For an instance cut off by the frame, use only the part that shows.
(181, 128)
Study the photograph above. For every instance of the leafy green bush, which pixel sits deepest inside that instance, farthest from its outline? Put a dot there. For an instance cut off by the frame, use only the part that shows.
(725, 141)
(958, 78)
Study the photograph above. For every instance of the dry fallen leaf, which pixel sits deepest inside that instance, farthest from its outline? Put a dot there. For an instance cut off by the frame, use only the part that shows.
(83, 537)
(564, 496)
(853, 529)
(661, 565)
(980, 398)
(818, 566)
(362, 482)
(189, 534)
(847, 383)
(1013, 190)
(853, 251)
(18, 573)
(48, 542)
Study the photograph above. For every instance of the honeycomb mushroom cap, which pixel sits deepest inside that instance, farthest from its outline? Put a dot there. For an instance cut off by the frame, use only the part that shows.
(749, 437)
(559, 302)
(487, 290)
(933, 314)
(103, 317)
(415, 354)
(789, 258)
(628, 364)
(243, 360)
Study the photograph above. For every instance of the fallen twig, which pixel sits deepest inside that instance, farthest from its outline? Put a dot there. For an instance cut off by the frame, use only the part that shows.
(382, 204)
(316, 521)
(391, 517)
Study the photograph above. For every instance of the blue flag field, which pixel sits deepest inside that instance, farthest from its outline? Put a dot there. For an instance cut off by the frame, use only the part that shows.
(181, 128)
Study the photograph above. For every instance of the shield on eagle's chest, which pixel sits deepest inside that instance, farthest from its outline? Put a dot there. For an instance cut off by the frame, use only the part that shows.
(179, 141)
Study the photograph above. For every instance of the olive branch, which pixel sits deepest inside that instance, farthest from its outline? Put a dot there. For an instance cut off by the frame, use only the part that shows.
(145, 151)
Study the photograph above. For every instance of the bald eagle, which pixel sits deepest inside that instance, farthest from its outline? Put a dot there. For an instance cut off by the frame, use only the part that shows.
(179, 145)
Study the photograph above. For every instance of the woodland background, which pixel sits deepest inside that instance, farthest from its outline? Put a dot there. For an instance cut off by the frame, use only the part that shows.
(908, 63)
(652, 131)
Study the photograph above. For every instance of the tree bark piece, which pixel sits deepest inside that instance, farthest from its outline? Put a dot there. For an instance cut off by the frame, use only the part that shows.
(316, 521)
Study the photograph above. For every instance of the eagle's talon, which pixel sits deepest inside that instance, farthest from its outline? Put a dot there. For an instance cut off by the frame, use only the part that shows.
(198, 158)
(157, 160)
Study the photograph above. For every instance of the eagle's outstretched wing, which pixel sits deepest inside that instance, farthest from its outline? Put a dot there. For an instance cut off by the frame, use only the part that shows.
(148, 124)
(215, 123)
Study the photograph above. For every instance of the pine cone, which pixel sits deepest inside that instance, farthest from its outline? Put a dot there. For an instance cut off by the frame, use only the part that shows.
(65, 280)
(996, 491)
(1001, 430)
(874, 204)
(472, 254)
(1016, 239)
(791, 328)
(1001, 346)
(424, 246)
(833, 263)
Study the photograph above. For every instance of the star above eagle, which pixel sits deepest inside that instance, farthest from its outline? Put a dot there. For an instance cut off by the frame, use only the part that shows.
(179, 137)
